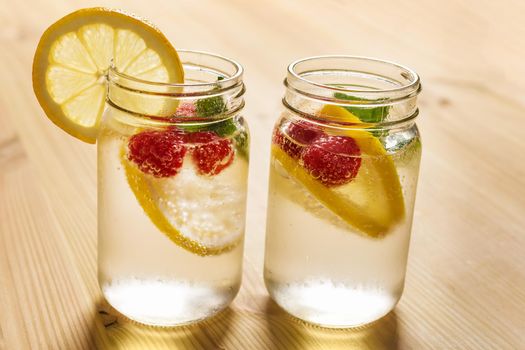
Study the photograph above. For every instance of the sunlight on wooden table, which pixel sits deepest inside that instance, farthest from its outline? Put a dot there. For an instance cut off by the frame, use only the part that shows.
(283, 331)
(465, 286)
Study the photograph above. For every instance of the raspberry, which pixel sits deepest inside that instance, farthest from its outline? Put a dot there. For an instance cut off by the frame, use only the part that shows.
(333, 160)
(298, 135)
(211, 153)
(159, 153)
(292, 149)
(303, 132)
(201, 137)
(178, 132)
(186, 109)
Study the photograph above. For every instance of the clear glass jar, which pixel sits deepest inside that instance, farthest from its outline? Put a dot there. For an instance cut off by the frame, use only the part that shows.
(172, 177)
(343, 175)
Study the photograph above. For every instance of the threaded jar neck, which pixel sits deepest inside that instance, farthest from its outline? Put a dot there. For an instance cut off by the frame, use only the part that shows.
(206, 76)
(380, 93)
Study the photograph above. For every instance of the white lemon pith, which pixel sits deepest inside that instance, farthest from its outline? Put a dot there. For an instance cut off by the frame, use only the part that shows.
(74, 54)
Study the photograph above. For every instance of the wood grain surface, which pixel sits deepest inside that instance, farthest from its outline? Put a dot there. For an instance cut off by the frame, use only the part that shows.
(465, 285)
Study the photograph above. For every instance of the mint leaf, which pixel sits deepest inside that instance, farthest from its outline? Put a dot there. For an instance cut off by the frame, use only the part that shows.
(224, 128)
(229, 127)
(212, 106)
(242, 143)
(208, 107)
(190, 128)
(366, 115)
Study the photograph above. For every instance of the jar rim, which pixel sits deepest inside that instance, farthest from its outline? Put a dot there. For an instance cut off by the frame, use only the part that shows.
(298, 80)
(228, 81)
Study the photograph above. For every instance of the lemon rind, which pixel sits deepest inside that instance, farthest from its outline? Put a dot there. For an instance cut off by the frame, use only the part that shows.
(138, 183)
(73, 22)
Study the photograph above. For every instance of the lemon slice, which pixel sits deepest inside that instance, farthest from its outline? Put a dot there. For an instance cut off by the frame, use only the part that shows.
(74, 54)
(373, 201)
(202, 214)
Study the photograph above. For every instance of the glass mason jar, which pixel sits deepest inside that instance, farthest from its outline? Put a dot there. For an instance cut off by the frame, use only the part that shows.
(172, 177)
(344, 167)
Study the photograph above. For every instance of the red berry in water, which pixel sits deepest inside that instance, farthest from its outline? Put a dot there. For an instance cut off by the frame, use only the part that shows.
(179, 133)
(304, 132)
(201, 137)
(212, 154)
(298, 135)
(186, 109)
(159, 153)
(291, 148)
(333, 160)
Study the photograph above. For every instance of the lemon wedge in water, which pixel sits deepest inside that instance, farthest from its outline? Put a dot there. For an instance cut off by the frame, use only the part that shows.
(202, 214)
(373, 201)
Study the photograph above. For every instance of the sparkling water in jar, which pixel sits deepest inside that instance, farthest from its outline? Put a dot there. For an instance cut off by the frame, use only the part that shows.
(172, 177)
(345, 159)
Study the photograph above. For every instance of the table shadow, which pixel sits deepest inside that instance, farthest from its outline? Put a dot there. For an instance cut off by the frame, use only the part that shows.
(115, 331)
(288, 332)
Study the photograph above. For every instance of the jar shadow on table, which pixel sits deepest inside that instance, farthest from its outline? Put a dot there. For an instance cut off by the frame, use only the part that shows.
(114, 331)
(288, 332)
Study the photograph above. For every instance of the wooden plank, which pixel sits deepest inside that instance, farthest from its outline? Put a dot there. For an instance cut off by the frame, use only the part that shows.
(466, 276)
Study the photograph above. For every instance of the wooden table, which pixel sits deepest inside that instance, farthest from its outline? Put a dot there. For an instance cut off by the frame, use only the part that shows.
(465, 286)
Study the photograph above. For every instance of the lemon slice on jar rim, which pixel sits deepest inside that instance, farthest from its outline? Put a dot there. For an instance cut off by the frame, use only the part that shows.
(74, 55)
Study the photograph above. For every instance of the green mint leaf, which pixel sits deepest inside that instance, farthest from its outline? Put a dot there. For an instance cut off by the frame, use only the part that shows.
(222, 129)
(225, 129)
(191, 128)
(208, 107)
(242, 147)
(212, 106)
(242, 143)
(229, 127)
(366, 115)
